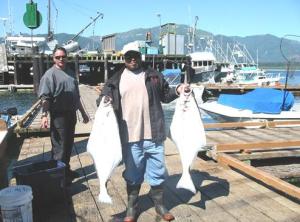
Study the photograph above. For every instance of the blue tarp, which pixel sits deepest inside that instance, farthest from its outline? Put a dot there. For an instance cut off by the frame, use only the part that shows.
(260, 100)
(173, 76)
(168, 72)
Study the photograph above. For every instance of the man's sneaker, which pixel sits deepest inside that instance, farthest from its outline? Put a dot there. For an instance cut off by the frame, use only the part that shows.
(72, 174)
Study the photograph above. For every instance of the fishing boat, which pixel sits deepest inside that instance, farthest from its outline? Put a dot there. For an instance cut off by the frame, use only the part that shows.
(19, 45)
(252, 75)
(203, 62)
(259, 104)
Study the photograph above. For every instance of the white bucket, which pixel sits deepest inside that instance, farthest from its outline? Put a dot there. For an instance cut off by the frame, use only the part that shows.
(15, 203)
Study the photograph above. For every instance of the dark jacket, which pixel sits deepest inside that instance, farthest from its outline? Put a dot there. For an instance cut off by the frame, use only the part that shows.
(158, 91)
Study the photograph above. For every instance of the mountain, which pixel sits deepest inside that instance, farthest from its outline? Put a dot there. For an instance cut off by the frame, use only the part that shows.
(265, 48)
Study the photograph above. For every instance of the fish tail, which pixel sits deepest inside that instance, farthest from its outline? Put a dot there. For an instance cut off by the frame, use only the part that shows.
(104, 197)
(186, 182)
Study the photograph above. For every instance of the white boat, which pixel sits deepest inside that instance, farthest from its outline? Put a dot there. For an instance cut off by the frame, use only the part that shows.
(224, 113)
(251, 75)
(265, 109)
(202, 62)
(23, 44)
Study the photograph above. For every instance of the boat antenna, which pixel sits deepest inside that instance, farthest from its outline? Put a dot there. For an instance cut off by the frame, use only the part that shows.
(288, 66)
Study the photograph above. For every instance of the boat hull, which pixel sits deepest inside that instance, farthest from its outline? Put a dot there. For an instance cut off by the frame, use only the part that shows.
(224, 113)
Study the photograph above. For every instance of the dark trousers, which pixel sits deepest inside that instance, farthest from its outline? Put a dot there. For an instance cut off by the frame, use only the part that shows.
(62, 129)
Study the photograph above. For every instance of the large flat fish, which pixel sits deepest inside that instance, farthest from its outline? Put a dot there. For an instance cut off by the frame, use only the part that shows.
(187, 132)
(104, 145)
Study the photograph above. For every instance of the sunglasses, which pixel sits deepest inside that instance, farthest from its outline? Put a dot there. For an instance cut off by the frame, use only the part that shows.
(129, 58)
(60, 57)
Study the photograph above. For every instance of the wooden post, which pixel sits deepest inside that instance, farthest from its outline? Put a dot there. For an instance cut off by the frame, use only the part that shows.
(15, 70)
(165, 63)
(77, 67)
(105, 68)
(49, 59)
(41, 71)
(36, 73)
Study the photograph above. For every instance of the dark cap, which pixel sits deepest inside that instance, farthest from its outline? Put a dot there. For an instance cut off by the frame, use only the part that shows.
(132, 53)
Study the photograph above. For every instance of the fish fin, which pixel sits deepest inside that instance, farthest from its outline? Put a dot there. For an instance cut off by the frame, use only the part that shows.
(186, 182)
(104, 197)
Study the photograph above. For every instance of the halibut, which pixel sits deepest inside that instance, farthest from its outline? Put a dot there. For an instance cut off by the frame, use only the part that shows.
(104, 145)
(187, 132)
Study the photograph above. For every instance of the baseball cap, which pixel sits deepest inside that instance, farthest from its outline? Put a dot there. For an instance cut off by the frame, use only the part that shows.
(131, 49)
(132, 54)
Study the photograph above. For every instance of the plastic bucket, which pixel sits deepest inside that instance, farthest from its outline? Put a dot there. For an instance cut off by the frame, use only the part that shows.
(47, 180)
(15, 203)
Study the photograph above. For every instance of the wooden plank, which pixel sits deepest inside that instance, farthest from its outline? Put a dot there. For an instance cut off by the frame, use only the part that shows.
(270, 203)
(205, 203)
(268, 179)
(258, 124)
(258, 146)
(267, 154)
(29, 113)
(233, 125)
(283, 171)
(238, 136)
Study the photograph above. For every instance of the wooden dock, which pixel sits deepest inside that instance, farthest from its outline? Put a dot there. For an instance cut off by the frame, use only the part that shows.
(218, 88)
(223, 193)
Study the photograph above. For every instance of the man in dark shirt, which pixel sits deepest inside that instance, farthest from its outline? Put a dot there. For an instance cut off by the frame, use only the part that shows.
(60, 98)
(136, 94)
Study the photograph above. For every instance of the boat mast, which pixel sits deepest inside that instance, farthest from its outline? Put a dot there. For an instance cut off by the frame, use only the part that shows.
(194, 32)
(93, 20)
(10, 18)
(191, 36)
(50, 33)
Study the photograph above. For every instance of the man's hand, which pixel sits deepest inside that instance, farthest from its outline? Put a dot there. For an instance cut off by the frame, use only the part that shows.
(183, 88)
(85, 117)
(44, 122)
(107, 99)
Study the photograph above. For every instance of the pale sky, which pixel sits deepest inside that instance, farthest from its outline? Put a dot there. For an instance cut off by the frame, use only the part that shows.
(226, 17)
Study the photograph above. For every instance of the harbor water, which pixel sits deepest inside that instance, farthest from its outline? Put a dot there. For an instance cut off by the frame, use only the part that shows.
(22, 100)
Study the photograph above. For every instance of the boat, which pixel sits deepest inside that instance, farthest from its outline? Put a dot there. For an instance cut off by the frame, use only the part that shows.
(202, 62)
(259, 104)
(6, 128)
(252, 75)
(20, 45)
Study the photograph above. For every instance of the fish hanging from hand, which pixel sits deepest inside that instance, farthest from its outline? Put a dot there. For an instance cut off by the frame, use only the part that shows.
(104, 145)
(187, 132)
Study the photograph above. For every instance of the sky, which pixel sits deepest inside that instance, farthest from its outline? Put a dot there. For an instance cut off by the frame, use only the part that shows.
(226, 17)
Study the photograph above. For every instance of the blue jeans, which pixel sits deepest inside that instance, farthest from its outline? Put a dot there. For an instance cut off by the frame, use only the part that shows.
(144, 160)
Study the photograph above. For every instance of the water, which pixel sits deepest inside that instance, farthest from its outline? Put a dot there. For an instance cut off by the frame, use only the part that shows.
(293, 77)
(22, 100)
